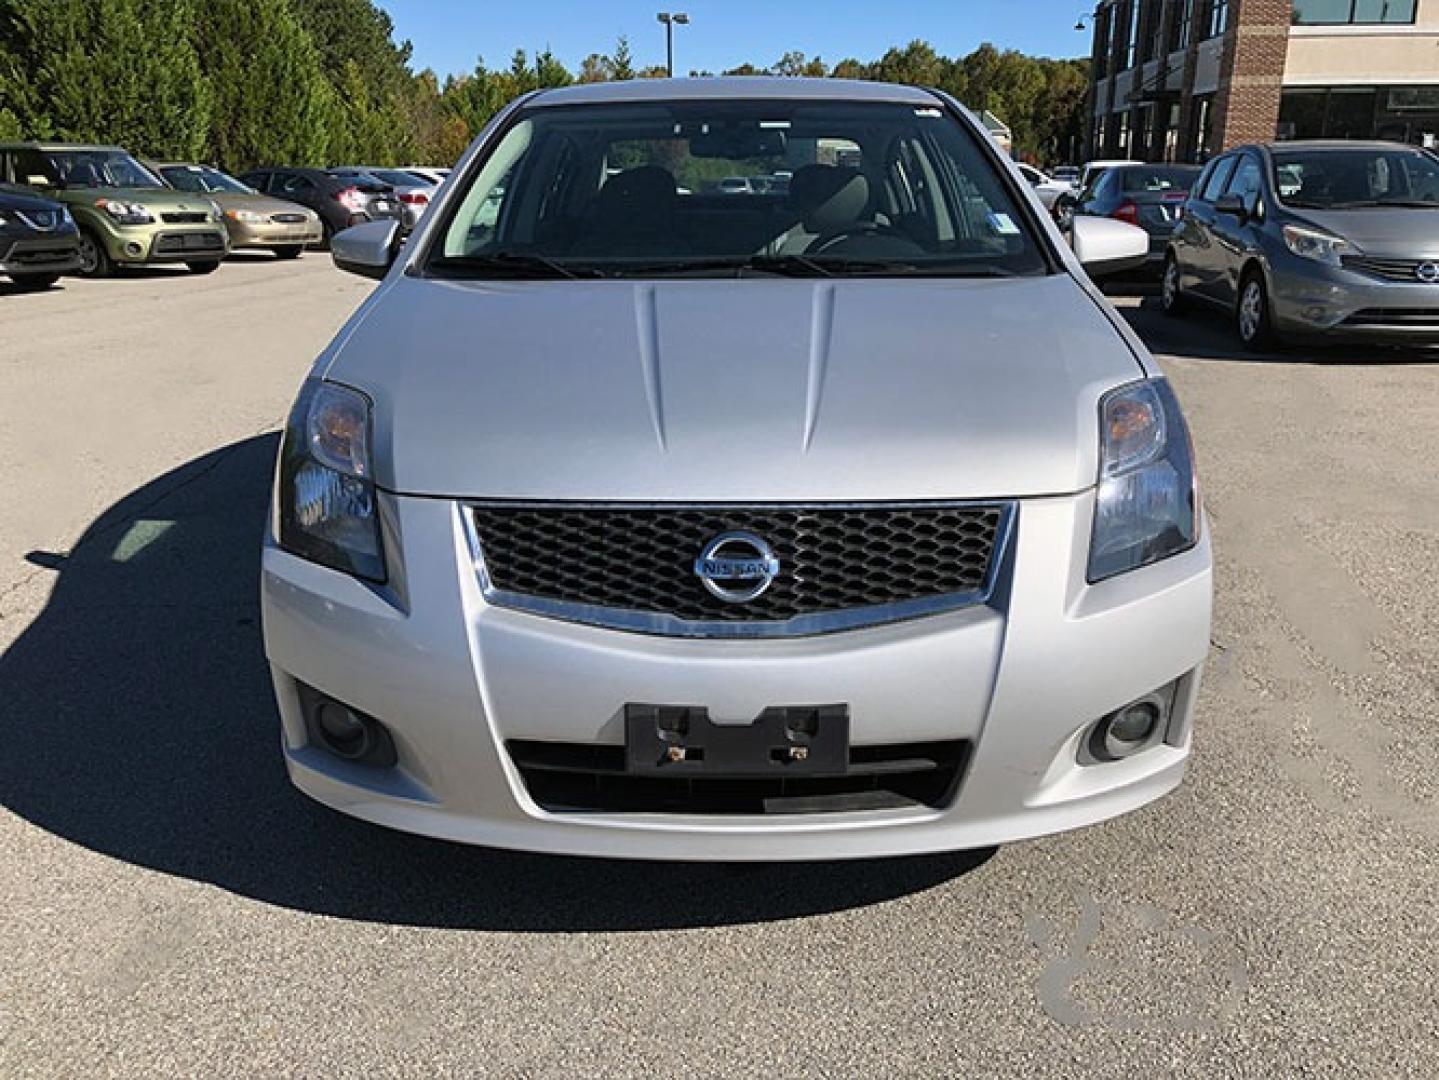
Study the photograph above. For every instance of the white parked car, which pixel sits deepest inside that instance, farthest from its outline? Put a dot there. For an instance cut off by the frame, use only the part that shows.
(1049, 190)
(626, 524)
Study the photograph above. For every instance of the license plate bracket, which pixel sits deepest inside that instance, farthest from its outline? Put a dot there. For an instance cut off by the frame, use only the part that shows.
(784, 740)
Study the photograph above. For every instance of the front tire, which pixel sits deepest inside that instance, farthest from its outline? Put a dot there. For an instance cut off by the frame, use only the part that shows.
(95, 261)
(1172, 300)
(289, 251)
(209, 266)
(34, 282)
(1252, 316)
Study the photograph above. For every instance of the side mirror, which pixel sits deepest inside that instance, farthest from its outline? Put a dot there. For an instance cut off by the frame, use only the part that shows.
(1105, 246)
(368, 249)
(1234, 206)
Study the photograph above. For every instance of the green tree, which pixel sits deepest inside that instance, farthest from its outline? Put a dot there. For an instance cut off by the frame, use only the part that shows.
(273, 104)
(124, 72)
(621, 61)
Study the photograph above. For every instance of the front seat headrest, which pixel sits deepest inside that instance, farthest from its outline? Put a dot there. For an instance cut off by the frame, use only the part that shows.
(829, 198)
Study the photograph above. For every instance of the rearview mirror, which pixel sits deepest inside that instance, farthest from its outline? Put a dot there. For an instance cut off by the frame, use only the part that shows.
(1105, 246)
(368, 249)
(738, 144)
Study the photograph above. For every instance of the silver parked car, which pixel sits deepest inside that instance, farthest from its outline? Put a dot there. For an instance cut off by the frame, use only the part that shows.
(1314, 239)
(635, 524)
(413, 192)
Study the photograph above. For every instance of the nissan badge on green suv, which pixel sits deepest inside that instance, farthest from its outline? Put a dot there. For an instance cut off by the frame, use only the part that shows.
(126, 214)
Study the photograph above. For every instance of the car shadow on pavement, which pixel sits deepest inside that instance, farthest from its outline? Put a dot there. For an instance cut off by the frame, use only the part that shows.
(138, 721)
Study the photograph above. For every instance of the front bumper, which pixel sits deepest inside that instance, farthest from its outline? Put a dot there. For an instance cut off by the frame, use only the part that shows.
(1311, 299)
(272, 234)
(49, 253)
(453, 678)
(163, 243)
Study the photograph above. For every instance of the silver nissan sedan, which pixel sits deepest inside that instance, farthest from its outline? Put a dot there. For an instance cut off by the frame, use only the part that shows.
(630, 517)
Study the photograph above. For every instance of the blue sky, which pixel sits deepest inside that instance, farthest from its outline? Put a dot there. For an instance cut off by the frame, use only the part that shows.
(449, 34)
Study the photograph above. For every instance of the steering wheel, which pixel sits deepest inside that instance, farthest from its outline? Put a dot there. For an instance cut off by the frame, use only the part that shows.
(850, 232)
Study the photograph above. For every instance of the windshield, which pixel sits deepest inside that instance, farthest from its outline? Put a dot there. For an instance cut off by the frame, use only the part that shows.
(92, 168)
(722, 188)
(1356, 177)
(398, 177)
(202, 178)
(1159, 178)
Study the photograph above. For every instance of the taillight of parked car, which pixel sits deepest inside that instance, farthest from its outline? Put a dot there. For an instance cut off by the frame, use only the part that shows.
(1127, 213)
(415, 198)
(351, 199)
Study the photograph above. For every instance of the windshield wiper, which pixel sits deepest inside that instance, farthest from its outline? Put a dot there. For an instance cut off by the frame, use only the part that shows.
(519, 264)
(819, 266)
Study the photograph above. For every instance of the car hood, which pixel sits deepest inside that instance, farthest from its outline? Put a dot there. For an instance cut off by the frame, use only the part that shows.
(753, 390)
(12, 198)
(159, 198)
(260, 204)
(1400, 232)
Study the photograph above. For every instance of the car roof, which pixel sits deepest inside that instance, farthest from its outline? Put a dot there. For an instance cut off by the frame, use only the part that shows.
(32, 145)
(1330, 144)
(733, 88)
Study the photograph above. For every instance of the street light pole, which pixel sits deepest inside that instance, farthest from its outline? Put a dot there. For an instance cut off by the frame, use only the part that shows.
(670, 19)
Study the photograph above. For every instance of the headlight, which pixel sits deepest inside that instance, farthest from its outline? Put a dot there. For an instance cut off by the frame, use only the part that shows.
(125, 213)
(1319, 246)
(327, 511)
(1148, 503)
(247, 217)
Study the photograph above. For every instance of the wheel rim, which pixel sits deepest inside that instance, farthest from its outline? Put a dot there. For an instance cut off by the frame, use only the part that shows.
(1251, 311)
(89, 256)
(1171, 283)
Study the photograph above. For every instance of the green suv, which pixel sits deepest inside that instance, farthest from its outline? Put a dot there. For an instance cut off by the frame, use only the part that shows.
(126, 214)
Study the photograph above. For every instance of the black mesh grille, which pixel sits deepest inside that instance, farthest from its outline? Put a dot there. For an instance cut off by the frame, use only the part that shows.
(1406, 270)
(831, 559)
(170, 243)
(574, 777)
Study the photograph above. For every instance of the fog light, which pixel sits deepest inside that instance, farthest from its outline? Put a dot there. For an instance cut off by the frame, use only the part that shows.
(133, 249)
(345, 732)
(1127, 731)
(1131, 728)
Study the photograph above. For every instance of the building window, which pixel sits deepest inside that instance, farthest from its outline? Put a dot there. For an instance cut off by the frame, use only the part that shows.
(1218, 18)
(1153, 42)
(1203, 127)
(1102, 46)
(1353, 12)
(1182, 31)
(1396, 114)
(1131, 35)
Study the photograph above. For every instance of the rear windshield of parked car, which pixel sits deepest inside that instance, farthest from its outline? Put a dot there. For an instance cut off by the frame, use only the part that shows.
(1160, 178)
(810, 188)
(1351, 178)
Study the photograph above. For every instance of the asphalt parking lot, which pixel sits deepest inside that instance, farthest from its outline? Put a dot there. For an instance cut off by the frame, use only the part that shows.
(171, 907)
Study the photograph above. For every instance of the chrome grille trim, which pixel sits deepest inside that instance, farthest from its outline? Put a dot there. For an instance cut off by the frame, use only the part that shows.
(807, 625)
